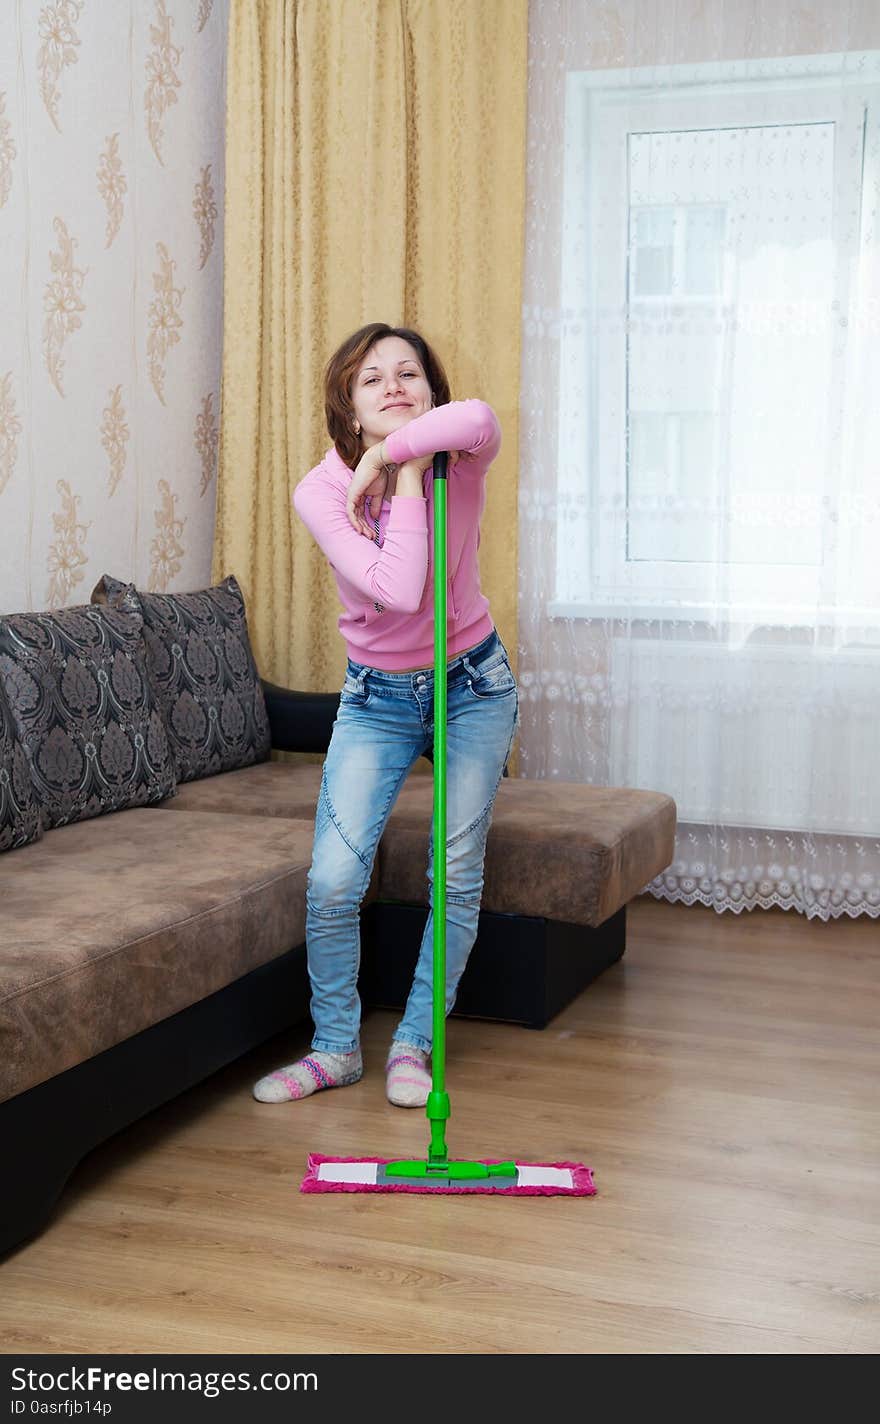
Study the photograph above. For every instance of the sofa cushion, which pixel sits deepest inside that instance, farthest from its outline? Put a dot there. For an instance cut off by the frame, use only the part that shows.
(556, 850)
(77, 685)
(273, 788)
(147, 915)
(20, 820)
(203, 671)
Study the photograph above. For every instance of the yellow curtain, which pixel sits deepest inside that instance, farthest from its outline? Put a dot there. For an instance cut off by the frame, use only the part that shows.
(375, 171)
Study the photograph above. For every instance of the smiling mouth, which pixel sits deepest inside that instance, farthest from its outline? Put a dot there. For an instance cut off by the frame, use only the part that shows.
(398, 405)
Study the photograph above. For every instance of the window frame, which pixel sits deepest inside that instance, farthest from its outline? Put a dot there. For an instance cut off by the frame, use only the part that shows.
(592, 577)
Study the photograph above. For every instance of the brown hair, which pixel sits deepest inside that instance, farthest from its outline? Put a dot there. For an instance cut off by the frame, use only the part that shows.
(342, 368)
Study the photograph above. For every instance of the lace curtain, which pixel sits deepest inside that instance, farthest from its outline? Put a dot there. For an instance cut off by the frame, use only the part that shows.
(699, 599)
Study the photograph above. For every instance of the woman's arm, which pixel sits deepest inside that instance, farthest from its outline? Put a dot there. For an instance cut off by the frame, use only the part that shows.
(393, 575)
(467, 428)
(469, 425)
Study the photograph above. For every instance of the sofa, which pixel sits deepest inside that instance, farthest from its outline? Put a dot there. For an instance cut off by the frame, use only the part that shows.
(154, 850)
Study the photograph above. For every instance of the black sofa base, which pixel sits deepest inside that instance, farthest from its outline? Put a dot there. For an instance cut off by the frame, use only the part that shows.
(520, 971)
(49, 1129)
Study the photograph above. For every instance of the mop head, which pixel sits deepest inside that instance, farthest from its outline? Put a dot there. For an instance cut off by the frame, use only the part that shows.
(531, 1179)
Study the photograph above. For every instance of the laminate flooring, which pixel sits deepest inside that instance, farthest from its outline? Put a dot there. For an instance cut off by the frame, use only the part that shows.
(721, 1080)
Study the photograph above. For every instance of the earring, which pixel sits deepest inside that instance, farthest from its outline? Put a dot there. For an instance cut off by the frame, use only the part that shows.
(357, 427)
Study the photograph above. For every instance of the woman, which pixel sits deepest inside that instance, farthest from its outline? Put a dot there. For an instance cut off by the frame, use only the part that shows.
(369, 505)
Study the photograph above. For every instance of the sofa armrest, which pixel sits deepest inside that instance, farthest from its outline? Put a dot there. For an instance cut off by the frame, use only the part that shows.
(300, 721)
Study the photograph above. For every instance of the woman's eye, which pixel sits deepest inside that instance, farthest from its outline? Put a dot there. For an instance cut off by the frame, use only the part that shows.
(371, 380)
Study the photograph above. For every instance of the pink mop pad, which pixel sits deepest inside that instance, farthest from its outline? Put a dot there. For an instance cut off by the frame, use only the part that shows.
(359, 1174)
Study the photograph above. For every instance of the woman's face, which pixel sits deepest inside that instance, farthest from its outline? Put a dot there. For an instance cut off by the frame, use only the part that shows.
(390, 388)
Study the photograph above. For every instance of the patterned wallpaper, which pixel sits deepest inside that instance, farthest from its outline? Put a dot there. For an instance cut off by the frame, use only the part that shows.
(111, 247)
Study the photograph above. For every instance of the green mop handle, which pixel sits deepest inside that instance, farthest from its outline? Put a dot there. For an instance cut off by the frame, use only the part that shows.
(438, 1099)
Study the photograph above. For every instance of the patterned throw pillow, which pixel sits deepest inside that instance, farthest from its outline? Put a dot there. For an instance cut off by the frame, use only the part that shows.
(204, 676)
(19, 811)
(76, 680)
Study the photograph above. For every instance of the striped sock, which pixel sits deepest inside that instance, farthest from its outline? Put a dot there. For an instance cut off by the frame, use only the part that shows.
(408, 1078)
(309, 1075)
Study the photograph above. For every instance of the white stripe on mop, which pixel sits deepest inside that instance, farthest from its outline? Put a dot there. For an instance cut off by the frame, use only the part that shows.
(362, 1172)
(529, 1176)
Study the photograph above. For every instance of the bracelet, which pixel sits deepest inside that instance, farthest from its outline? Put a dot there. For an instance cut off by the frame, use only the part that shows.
(388, 466)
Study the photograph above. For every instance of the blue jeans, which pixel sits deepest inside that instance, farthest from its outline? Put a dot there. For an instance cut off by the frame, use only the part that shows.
(384, 724)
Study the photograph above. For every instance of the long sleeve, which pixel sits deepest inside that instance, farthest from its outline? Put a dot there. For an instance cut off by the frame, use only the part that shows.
(469, 426)
(393, 575)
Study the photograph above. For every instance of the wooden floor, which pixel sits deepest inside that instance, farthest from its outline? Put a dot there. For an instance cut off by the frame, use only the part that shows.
(721, 1081)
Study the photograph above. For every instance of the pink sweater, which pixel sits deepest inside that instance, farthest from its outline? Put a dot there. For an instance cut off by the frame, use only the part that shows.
(387, 589)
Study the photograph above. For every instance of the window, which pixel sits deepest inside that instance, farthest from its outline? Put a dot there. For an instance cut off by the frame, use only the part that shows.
(718, 280)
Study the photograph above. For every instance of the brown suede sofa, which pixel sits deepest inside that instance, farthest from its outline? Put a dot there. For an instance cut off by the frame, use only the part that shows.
(153, 874)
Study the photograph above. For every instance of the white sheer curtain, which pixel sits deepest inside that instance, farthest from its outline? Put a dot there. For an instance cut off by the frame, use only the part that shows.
(699, 536)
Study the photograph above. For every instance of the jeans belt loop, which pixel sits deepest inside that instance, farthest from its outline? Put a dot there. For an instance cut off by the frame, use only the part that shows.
(470, 669)
(362, 680)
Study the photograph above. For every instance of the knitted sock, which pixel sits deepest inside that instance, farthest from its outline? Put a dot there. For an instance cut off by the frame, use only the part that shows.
(408, 1078)
(309, 1075)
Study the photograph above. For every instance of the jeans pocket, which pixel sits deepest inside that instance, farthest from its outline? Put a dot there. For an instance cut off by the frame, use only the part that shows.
(493, 681)
(354, 693)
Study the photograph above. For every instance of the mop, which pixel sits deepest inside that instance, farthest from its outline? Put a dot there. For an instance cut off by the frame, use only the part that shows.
(437, 1173)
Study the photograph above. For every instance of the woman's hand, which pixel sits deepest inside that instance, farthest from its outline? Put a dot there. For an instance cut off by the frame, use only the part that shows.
(419, 464)
(424, 462)
(411, 474)
(370, 481)
(367, 490)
